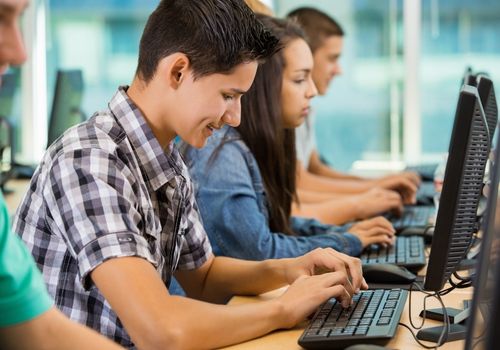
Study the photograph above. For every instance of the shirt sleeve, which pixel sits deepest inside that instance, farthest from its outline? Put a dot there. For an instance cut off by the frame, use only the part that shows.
(23, 295)
(92, 203)
(229, 203)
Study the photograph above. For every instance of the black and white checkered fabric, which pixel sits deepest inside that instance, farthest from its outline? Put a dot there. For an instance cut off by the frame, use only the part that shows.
(107, 189)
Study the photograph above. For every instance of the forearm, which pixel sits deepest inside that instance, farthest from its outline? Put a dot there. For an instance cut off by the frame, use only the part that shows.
(306, 196)
(156, 320)
(216, 326)
(334, 212)
(228, 277)
(324, 170)
(313, 182)
(52, 330)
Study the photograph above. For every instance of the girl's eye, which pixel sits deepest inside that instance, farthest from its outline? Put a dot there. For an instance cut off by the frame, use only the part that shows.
(227, 97)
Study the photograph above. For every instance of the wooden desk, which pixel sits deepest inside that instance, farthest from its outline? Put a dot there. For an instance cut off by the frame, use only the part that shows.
(287, 339)
(13, 199)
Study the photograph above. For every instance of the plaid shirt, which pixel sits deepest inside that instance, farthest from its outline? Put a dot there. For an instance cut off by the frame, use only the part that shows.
(107, 189)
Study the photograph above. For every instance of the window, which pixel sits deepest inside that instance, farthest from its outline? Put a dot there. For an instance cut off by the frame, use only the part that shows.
(361, 117)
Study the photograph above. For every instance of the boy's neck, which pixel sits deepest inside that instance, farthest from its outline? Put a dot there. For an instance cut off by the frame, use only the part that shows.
(146, 98)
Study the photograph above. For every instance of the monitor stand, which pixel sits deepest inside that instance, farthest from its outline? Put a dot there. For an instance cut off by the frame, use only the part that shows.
(456, 317)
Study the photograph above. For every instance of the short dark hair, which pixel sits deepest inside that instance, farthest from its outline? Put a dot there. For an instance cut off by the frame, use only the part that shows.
(216, 36)
(317, 25)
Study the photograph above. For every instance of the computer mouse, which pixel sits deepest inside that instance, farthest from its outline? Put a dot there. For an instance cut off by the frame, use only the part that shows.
(366, 347)
(424, 200)
(387, 273)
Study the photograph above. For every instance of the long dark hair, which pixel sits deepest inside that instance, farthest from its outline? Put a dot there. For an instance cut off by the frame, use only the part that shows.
(262, 129)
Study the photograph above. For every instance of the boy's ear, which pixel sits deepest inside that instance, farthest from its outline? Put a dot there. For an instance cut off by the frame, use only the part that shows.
(177, 70)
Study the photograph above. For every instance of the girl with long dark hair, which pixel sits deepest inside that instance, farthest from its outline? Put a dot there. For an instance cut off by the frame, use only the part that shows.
(245, 177)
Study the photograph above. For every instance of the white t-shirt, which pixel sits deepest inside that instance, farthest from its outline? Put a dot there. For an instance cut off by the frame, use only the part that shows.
(305, 140)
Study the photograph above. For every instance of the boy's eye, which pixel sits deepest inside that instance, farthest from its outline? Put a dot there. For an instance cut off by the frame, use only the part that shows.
(227, 97)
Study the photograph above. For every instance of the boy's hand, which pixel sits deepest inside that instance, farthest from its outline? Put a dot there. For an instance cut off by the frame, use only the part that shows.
(405, 183)
(325, 260)
(304, 296)
(377, 230)
(376, 201)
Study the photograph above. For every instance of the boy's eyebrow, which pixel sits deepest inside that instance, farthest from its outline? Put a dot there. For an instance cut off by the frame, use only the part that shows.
(305, 70)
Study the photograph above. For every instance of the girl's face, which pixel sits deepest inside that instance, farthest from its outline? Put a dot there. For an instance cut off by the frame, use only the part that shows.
(298, 87)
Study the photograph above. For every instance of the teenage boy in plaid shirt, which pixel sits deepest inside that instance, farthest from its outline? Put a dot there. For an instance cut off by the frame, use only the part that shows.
(110, 214)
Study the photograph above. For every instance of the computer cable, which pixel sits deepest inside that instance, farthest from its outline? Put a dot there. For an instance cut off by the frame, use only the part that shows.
(464, 282)
(444, 334)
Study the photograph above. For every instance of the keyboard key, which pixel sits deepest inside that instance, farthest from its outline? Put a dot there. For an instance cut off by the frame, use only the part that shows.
(384, 320)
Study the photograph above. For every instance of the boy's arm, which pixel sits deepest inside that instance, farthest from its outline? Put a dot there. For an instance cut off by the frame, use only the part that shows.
(52, 330)
(320, 177)
(224, 277)
(156, 320)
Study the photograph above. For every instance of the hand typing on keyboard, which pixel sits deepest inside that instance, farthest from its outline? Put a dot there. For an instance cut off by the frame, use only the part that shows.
(375, 202)
(316, 277)
(406, 184)
(378, 230)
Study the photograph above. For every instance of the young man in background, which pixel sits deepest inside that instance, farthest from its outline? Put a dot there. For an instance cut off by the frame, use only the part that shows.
(317, 182)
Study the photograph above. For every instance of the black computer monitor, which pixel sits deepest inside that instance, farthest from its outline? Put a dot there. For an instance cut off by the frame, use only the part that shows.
(484, 318)
(66, 110)
(456, 219)
(469, 78)
(489, 101)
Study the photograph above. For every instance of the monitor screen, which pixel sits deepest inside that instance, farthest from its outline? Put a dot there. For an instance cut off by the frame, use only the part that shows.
(456, 219)
(485, 314)
(66, 110)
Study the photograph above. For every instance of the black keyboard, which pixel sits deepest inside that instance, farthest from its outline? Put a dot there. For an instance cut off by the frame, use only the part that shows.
(373, 318)
(409, 252)
(413, 216)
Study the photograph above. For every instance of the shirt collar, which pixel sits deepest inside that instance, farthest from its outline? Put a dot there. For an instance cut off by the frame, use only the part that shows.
(158, 166)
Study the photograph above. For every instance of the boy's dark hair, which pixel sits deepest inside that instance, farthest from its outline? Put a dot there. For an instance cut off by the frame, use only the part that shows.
(216, 35)
(317, 25)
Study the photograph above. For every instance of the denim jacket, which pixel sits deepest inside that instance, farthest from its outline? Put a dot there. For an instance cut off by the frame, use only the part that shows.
(232, 201)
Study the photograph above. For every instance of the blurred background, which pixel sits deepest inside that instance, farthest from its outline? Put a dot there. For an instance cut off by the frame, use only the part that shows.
(403, 62)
